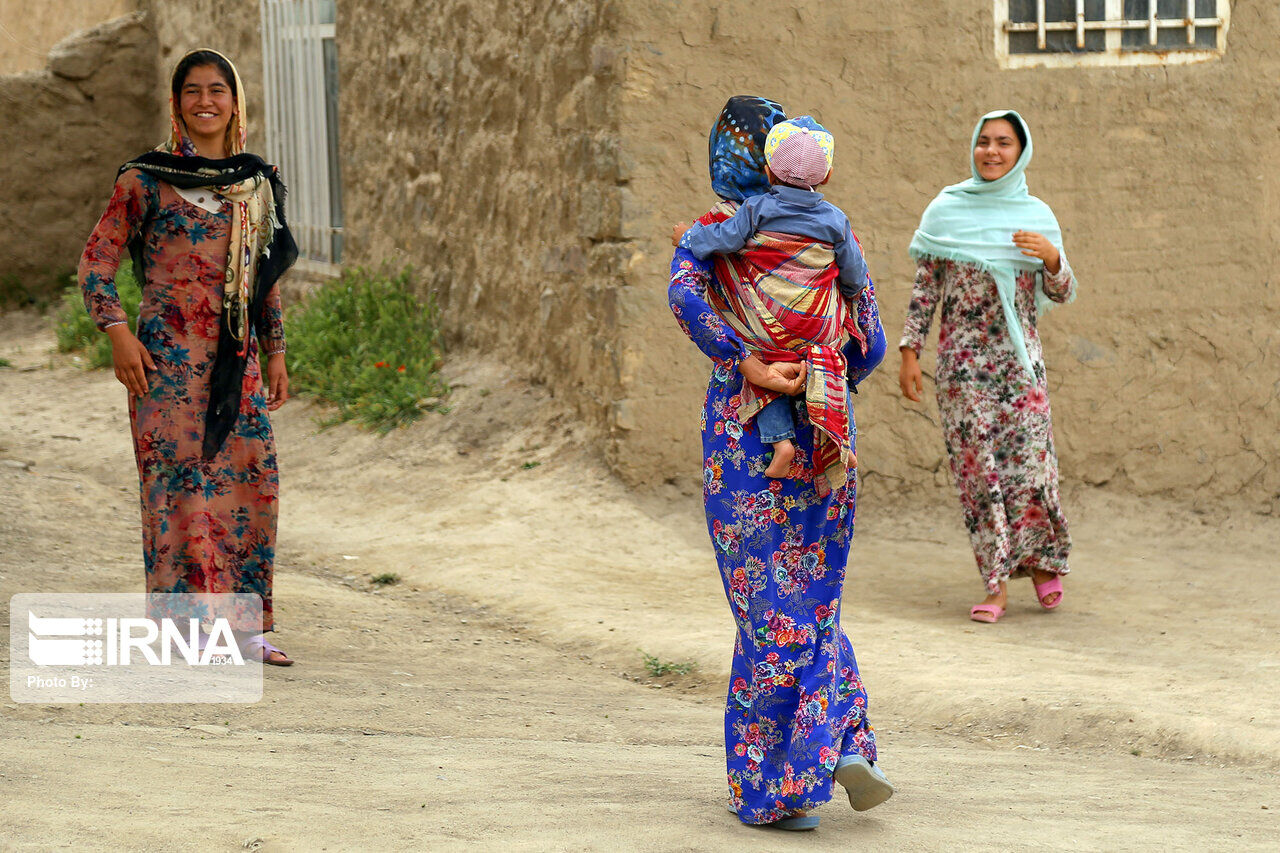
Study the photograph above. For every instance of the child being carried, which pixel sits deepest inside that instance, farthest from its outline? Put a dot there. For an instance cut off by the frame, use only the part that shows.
(796, 314)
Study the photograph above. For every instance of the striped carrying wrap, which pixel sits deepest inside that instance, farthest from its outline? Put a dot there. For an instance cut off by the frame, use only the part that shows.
(779, 295)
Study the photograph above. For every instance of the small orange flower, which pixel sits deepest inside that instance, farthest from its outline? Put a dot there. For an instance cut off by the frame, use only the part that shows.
(400, 369)
(381, 364)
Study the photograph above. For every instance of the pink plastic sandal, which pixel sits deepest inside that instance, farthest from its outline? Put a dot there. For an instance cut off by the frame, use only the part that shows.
(1048, 588)
(989, 613)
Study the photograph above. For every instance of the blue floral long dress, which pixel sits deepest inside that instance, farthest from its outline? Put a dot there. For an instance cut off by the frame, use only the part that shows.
(796, 702)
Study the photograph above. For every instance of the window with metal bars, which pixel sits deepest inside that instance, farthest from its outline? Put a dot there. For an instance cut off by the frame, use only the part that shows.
(1110, 31)
(300, 85)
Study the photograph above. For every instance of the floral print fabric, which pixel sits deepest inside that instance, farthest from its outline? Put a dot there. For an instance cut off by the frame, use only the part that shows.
(207, 526)
(995, 420)
(796, 702)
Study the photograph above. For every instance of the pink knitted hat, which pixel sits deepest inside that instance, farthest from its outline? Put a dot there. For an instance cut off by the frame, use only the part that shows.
(799, 159)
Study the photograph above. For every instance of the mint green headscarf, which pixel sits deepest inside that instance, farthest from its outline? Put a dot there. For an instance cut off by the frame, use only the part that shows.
(973, 222)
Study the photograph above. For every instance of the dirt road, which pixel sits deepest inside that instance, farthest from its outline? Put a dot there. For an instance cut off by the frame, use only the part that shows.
(495, 697)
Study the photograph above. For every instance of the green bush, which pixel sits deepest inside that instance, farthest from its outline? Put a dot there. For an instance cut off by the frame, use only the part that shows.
(366, 344)
(75, 329)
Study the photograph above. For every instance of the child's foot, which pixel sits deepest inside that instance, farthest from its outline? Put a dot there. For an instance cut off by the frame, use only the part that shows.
(783, 452)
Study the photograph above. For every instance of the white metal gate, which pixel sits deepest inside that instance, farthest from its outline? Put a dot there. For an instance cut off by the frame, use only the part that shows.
(300, 87)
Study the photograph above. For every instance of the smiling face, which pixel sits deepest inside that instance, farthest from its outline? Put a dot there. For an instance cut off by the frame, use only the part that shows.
(997, 149)
(206, 105)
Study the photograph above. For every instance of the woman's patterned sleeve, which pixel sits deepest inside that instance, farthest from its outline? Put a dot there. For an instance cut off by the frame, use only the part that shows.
(924, 298)
(864, 358)
(270, 325)
(131, 204)
(687, 297)
(1060, 286)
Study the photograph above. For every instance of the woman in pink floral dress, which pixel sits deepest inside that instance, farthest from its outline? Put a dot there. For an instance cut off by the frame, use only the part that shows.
(204, 223)
(991, 255)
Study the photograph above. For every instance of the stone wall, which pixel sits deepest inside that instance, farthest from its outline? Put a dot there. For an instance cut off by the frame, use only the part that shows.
(480, 145)
(1164, 375)
(64, 131)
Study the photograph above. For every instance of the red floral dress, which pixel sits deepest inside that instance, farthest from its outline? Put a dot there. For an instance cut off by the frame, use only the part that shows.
(995, 420)
(207, 526)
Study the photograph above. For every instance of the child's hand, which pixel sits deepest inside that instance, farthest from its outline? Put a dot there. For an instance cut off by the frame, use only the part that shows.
(677, 231)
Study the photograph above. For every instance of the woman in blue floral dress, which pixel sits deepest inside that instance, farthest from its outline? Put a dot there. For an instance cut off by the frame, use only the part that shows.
(796, 718)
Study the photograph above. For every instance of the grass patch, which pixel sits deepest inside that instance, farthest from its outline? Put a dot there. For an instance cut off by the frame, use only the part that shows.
(75, 328)
(658, 668)
(4, 362)
(367, 345)
(385, 579)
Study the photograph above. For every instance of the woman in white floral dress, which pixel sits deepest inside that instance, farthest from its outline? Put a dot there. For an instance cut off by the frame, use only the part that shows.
(991, 254)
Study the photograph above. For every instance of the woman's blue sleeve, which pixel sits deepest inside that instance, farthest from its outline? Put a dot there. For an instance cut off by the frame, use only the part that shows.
(687, 298)
(863, 361)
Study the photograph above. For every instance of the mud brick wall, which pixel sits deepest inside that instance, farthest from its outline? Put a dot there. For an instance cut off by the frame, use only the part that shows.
(32, 29)
(232, 27)
(64, 131)
(529, 156)
(480, 145)
(100, 99)
(1164, 374)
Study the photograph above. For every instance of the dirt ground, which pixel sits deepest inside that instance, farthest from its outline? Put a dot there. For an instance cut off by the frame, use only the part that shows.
(496, 696)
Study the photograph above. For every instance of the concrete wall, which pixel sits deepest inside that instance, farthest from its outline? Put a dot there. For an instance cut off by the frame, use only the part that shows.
(1164, 375)
(28, 30)
(64, 131)
(480, 144)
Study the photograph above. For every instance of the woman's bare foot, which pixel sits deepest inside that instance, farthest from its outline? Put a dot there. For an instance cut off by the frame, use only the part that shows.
(783, 452)
(1040, 578)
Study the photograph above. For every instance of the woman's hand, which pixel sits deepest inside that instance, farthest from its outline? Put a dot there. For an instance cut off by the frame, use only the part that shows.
(130, 359)
(277, 381)
(910, 380)
(787, 377)
(1038, 246)
(677, 231)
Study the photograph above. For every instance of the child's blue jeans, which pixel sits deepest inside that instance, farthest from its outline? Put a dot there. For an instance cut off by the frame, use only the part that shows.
(776, 422)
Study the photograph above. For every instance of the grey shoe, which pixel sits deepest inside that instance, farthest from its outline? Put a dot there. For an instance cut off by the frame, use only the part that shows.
(866, 785)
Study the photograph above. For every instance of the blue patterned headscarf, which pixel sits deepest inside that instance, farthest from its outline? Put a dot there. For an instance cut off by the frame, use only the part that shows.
(737, 146)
